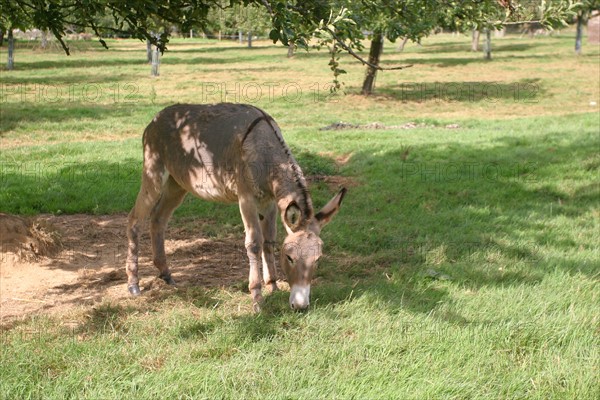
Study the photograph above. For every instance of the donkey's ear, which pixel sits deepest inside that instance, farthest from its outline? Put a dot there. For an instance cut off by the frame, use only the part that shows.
(292, 216)
(330, 209)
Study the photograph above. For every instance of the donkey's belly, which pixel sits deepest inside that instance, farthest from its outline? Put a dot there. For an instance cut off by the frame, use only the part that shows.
(215, 194)
(213, 186)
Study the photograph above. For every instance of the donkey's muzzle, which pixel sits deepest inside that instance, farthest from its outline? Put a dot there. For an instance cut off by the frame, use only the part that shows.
(300, 297)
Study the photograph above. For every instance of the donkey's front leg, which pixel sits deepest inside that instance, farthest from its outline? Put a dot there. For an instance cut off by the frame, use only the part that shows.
(254, 241)
(269, 230)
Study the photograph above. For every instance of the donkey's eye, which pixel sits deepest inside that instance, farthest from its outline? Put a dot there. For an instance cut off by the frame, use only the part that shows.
(290, 259)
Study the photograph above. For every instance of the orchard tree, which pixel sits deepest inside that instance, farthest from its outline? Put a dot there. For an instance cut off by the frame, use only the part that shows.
(385, 19)
(12, 18)
(487, 15)
(137, 18)
(251, 19)
(583, 10)
(239, 20)
(133, 18)
(476, 17)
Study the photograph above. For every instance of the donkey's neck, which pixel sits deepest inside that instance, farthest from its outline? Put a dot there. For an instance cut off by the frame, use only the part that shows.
(288, 183)
(289, 186)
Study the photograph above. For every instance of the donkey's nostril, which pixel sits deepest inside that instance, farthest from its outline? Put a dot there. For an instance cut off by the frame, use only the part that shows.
(300, 297)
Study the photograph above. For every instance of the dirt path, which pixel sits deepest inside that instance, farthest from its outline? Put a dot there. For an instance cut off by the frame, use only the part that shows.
(90, 267)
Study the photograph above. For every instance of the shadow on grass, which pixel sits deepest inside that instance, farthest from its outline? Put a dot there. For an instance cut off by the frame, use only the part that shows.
(82, 63)
(498, 46)
(29, 84)
(141, 62)
(523, 91)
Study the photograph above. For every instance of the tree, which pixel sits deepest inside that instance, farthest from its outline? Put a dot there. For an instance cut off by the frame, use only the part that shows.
(135, 18)
(583, 10)
(476, 17)
(12, 18)
(385, 19)
(488, 15)
(252, 19)
(242, 20)
(132, 18)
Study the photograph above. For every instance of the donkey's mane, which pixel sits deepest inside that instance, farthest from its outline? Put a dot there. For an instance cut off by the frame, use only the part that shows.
(306, 207)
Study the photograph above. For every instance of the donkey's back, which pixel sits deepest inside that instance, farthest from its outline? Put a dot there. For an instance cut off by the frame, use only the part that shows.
(202, 147)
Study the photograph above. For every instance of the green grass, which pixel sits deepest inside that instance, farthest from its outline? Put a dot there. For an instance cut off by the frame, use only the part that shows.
(464, 263)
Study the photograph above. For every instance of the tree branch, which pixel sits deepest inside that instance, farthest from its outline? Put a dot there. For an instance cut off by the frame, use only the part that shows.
(362, 60)
(522, 22)
(268, 6)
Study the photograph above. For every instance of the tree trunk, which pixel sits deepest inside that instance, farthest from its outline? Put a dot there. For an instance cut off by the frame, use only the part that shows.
(290, 49)
(148, 51)
(402, 44)
(487, 50)
(374, 54)
(249, 39)
(10, 65)
(155, 62)
(1, 37)
(44, 42)
(579, 34)
(475, 40)
(241, 37)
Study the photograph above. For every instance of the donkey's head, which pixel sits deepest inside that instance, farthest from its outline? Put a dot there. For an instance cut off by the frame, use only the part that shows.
(302, 248)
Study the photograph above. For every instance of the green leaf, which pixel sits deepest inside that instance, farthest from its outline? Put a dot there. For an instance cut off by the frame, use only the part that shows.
(274, 35)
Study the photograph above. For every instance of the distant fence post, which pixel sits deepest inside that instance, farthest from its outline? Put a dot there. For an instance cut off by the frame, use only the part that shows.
(155, 62)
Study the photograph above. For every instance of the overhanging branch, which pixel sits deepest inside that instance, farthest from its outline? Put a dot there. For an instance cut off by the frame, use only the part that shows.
(362, 60)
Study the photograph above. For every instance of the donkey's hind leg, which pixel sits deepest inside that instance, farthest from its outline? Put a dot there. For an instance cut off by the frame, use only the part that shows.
(147, 198)
(172, 196)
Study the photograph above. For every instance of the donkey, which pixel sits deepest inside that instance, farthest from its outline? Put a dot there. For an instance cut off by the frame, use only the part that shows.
(230, 153)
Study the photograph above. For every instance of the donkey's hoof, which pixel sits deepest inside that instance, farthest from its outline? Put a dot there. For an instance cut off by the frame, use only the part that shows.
(167, 279)
(257, 302)
(134, 289)
(271, 287)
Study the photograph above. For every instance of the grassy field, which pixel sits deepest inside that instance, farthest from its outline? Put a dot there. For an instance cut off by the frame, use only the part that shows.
(464, 263)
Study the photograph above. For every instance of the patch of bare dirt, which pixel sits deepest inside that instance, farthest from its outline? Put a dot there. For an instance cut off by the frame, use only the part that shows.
(89, 265)
(27, 238)
(334, 182)
(338, 126)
